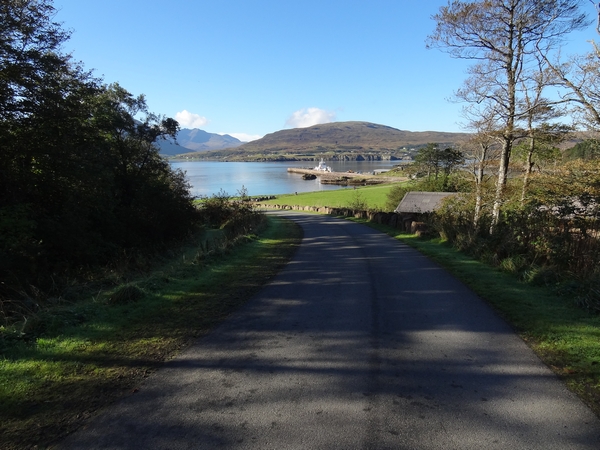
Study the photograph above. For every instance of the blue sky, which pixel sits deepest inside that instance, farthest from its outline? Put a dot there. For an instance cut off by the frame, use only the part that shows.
(252, 67)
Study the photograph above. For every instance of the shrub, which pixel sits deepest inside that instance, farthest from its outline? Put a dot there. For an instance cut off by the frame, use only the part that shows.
(357, 203)
(551, 237)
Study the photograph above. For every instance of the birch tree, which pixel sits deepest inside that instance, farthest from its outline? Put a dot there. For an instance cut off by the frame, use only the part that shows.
(480, 151)
(504, 39)
(542, 136)
(581, 77)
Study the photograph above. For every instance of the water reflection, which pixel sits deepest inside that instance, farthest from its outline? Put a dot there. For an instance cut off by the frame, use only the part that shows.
(263, 178)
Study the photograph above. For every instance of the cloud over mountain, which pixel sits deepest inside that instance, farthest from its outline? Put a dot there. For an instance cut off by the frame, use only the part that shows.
(307, 117)
(190, 120)
(245, 137)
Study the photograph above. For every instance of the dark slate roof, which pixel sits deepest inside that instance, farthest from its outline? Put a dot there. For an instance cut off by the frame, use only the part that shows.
(421, 202)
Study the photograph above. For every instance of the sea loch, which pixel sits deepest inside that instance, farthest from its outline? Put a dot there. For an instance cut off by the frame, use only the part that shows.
(263, 178)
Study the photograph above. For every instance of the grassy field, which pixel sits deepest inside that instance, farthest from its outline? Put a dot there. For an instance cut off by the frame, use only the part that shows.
(374, 197)
(77, 358)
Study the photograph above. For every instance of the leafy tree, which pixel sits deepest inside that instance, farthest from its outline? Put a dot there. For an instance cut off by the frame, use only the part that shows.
(29, 54)
(43, 106)
(438, 163)
(81, 180)
(506, 39)
(588, 149)
(140, 177)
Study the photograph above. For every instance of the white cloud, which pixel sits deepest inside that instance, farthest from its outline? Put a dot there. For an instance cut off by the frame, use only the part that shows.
(245, 137)
(189, 120)
(307, 117)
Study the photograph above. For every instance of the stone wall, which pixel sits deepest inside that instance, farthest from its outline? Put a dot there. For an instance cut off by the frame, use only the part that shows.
(402, 221)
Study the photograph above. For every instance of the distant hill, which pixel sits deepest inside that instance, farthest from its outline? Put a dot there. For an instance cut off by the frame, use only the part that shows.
(197, 141)
(337, 140)
(351, 135)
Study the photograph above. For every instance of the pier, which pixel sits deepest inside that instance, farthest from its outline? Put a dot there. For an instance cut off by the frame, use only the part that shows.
(347, 178)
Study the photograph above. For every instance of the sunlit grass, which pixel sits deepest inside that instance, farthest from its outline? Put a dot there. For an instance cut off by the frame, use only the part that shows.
(374, 196)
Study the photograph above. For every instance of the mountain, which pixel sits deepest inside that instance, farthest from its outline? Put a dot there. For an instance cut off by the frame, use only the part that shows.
(199, 140)
(348, 135)
(196, 141)
(337, 140)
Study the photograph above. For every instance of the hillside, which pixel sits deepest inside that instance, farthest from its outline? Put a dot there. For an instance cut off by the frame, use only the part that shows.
(338, 140)
(350, 135)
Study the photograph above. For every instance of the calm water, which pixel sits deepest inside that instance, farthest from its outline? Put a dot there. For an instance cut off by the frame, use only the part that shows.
(263, 178)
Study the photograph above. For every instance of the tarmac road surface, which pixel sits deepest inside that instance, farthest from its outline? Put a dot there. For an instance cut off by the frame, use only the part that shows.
(359, 343)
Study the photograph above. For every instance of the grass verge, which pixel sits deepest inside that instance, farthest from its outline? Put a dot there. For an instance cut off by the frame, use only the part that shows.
(374, 197)
(564, 336)
(84, 356)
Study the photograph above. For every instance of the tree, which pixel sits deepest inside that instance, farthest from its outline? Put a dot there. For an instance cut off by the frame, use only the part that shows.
(480, 151)
(150, 200)
(427, 161)
(581, 77)
(504, 38)
(81, 180)
(540, 149)
(588, 149)
(44, 105)
(435, 162)
(540, 139)
(29, 53)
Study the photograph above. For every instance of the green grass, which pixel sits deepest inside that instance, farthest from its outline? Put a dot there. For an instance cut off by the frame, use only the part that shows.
(77, 358)
(374, 196)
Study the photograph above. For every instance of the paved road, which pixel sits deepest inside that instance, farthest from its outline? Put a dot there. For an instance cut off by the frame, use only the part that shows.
(360, 343)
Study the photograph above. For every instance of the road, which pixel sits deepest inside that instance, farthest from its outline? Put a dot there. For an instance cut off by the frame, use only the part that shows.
(359, 343)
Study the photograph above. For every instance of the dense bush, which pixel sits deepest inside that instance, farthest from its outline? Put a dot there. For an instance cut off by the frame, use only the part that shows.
(588, 149)
(235, 216)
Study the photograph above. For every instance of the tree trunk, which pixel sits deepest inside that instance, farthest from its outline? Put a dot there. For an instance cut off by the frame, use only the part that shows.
(479, 187)
(501, 182)
(528, 169)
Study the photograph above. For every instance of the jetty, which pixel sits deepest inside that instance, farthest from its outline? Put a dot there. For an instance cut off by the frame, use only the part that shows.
(346, 178)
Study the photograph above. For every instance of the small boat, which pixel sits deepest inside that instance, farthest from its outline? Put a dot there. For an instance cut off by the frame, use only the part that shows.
(322, 167)
(309, 176)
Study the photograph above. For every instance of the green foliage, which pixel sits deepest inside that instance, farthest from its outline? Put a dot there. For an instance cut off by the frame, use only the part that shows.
(543, 155)
(397, 193)
(550, 238)
(81, 181)
(126, 294)
(437, 164)
(588, 149)
(234, 216)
